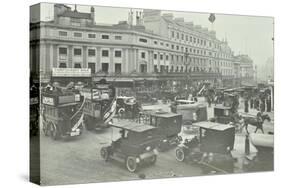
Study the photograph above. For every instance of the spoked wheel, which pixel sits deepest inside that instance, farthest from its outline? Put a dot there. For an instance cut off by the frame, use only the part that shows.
(131, 164)
(180, 156)
(153, 159)
(104, 153)
(54, 132)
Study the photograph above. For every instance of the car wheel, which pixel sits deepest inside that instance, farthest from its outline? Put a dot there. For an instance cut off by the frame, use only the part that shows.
(54, 132)
(180, 155)
(104, 153)
(153, 159)
(131, 164)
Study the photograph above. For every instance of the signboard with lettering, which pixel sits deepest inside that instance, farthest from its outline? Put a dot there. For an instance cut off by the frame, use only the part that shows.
(71, 72)
(48, 101)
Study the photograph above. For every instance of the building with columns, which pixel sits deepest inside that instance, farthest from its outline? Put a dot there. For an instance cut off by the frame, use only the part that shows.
(158, 49)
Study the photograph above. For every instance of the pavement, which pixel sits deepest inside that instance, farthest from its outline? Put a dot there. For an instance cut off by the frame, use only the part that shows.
(77, 160)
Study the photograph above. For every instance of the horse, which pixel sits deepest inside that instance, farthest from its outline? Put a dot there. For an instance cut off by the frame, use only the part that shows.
(255, 122)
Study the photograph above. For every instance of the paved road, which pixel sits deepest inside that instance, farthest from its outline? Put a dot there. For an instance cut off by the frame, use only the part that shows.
(78, 160)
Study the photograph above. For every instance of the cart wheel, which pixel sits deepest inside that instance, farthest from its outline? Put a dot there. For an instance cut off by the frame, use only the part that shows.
(180, 156)
(153, 159)
(104, 153)
(45, 129)
(54, 132)
(131, 164)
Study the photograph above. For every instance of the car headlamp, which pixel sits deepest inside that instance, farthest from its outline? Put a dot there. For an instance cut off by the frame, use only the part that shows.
(148, 148)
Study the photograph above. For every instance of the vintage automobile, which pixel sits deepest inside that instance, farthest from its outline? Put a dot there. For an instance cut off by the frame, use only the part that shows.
(222, 114)
(168, 127)
(127, 107)
(136, 145)
(211, 149)
(62, 113)
(100, 105)
(264, 158)
(191, 112)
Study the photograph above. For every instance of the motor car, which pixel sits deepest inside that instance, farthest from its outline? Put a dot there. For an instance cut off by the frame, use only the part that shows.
(193, 112)
(210, 149)
(136, 145)
(168, 126)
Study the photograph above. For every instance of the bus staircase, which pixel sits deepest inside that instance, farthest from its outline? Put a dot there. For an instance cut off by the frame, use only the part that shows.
(110, 111)
(77, 119)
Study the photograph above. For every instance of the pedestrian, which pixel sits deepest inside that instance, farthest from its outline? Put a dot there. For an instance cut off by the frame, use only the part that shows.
(262, 106)
(246, 103)
(268, 103)
(252, 103)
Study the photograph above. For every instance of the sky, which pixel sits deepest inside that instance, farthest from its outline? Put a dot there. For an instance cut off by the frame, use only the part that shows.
(250, 35)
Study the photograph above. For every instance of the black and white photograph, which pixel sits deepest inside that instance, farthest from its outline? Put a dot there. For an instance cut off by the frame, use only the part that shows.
(119, 94)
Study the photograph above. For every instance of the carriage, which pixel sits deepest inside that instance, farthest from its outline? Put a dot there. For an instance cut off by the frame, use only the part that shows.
(136, 145)
(211, 149)
(62, 113)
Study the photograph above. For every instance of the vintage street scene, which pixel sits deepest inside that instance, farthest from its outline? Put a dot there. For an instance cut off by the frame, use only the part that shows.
(122, 94)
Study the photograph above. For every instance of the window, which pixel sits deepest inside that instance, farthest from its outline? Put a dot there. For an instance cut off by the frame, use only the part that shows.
(104, 67)
(186, 38)
(198, 41)
(105, 36)
(62, 51)
(117, 67)
(162, 68)
(190, 39)
(143, 55)
(62, 65)
(77, 65)
(91, 52)
(161, 56)
(173, 34)
(77, 51)
(118, 37)
(155, 68)
(167, 57)
(167, 45)
(172, 57)
(182, 36)
(77, 34)
(177, 58)
(172, 46)
(201, 42)
(178, 47)
(91, 35)
(155, 42)
(104, 53)
(161, 43)
(204, 43)
(92, 66)
(118, 53)
(178, 35)
(63, 33)
(143, 40)
(143, 68)
(155, 56)
(194, 40)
